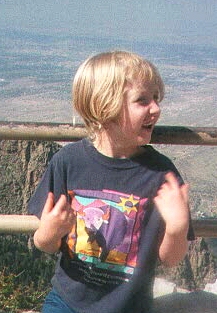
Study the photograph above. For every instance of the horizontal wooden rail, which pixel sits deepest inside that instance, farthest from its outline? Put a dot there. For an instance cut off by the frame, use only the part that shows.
(41, 131)
(176, 135)
(205, 227)
(14, 224)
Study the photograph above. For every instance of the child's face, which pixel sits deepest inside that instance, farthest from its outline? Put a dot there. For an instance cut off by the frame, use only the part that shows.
(139, 114)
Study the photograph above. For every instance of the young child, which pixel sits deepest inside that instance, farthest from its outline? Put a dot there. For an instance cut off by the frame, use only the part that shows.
(111, 204)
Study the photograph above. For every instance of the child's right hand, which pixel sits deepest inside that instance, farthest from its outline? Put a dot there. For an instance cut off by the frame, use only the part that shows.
(56, 221)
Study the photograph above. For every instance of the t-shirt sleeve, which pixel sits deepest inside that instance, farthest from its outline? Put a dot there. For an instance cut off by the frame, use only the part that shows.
(52, 181)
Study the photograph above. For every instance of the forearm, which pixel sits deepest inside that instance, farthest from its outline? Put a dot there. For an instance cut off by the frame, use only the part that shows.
(45, 243)
(173, 248)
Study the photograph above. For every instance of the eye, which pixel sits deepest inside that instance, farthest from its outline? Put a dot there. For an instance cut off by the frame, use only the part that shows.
(156, 97)
(143, 100)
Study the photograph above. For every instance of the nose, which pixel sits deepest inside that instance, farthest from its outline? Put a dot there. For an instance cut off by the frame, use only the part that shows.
(154, 108)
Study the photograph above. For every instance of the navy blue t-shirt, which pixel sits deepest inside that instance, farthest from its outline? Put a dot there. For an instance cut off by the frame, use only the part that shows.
(107, 261)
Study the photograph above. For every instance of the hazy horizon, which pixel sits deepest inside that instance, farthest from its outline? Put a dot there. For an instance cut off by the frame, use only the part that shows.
(43, 42)
(162, 21)
(36, 73)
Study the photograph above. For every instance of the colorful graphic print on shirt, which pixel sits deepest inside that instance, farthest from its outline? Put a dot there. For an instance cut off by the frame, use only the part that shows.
(107, 229)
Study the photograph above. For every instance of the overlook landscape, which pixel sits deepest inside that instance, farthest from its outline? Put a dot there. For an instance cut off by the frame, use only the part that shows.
(36, 72)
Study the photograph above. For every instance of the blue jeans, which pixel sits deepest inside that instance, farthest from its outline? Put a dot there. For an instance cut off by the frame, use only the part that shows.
(54, 304)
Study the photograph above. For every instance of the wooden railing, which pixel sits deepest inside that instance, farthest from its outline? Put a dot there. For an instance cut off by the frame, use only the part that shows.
(15, 224)
(175, 135)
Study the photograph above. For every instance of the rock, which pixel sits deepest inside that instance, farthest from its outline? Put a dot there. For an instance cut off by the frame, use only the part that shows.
(21, 166)
(203, 263)
(197, 269)
(211, 287)
(212, 244)
(193, 302)
(163, 287)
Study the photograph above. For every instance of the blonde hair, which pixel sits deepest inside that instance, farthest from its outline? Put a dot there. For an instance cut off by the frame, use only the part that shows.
(98, 86)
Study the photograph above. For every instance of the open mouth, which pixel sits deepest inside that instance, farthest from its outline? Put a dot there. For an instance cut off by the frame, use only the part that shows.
(148, 126)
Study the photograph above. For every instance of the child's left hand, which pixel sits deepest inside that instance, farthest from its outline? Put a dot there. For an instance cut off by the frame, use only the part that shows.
(172, 203)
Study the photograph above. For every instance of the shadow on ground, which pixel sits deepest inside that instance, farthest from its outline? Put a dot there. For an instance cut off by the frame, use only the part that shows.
(193, 302)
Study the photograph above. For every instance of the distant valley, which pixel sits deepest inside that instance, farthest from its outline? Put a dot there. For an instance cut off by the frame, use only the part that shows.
(35, 81)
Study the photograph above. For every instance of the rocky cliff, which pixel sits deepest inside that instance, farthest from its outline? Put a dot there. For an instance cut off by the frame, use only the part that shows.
(23, 269)
(196, 270)
(21, 166)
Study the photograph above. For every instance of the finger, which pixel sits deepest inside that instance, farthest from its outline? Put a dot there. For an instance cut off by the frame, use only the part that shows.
(62, 204)
(49, 204)
(185, 192)
(171, 179)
